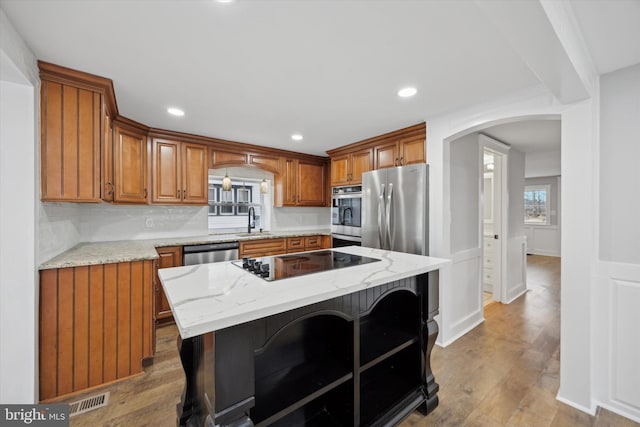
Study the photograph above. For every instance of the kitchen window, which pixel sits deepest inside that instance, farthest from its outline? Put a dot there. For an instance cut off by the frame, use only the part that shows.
(228, 210)
(536, 204)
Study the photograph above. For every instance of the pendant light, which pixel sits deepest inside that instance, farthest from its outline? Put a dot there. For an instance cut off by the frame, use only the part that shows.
(264, 186)
(226, 182)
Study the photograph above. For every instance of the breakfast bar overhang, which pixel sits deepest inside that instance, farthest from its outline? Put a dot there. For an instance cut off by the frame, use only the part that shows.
(342, 347)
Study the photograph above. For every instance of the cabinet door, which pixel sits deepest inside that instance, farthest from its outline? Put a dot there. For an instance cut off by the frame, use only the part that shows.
(412, 151)
(195, 174)
(168, 257)
(70, 143)
(361, 162)
(311, 184)
(130, 165)
(340, 170)
(386, 155)
(165, 165)
(289, 182)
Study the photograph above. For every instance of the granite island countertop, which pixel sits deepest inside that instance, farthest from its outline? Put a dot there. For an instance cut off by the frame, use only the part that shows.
(92, 253)
(209, 297)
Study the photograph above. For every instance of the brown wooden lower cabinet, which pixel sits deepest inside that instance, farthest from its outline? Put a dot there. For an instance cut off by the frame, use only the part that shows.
(270, 247)
(96, 325)
(168, 257)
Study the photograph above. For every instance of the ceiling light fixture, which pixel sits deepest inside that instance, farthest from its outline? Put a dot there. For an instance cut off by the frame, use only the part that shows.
(407, 92)
(264, 186)
(225, 1)
(296, 137)
(175, 112)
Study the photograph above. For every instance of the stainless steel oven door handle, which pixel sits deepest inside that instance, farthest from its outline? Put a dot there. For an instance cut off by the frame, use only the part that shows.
(389, 210)
(380, 209)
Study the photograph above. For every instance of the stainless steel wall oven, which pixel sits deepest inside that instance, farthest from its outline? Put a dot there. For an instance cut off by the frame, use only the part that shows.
(346, 215)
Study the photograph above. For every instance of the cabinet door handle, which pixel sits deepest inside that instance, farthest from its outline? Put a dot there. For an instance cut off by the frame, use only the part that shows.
(401, 161)
(395, 162)
(145, 193)
(112, 187)
(184, 194)
(178, 195)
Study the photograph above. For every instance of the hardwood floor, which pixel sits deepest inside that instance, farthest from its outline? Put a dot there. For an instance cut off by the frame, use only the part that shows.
(503, 373)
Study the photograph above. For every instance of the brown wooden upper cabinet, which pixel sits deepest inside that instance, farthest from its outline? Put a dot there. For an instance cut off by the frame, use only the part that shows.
(179, 172)
(348, 168)
(129, 166)
(222, 158)
(301, 183)
(401, 152)
(70, 142)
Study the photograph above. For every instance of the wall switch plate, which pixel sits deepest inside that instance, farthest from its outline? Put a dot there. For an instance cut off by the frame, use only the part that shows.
(148, 222)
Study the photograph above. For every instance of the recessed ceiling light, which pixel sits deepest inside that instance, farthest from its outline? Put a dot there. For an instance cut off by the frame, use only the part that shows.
(175, 111)
(225, 1)
(407, 92)
(296, 137)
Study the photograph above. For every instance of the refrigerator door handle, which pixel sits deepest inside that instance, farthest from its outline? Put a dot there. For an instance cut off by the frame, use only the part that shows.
(380, 208)
(388, 219)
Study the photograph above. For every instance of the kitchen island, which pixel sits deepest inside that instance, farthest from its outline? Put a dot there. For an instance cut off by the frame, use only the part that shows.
(348, 346)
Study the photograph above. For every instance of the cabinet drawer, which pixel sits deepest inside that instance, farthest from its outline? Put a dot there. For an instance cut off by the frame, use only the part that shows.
(295, 243)
(487, 276)
(488, 243)
(257, 248)
(313, 242)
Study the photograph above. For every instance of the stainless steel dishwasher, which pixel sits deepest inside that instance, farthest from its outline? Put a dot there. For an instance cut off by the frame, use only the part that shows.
(211, 252)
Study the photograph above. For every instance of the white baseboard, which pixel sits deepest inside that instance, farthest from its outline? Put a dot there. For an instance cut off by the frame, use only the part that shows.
(460, 333)
(543, 253)
(591, 411)
(623, 411)
(516, 293)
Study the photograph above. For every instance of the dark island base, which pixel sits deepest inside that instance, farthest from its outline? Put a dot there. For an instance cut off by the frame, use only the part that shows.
(358, 360)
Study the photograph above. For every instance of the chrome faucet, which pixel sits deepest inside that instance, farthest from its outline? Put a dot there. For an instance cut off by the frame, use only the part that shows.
(249, 227)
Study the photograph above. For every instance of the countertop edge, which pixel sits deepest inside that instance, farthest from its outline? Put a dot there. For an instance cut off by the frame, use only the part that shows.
(146, 249)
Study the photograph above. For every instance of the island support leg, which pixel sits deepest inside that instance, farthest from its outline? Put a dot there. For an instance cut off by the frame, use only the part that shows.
(429, 285)
(189, 409)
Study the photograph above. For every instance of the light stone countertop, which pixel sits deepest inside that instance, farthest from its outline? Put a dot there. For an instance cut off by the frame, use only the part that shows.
(91, 253)
(209, 297)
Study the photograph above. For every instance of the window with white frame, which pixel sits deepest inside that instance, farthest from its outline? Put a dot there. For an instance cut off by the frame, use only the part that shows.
(228, 210)
(536, 204)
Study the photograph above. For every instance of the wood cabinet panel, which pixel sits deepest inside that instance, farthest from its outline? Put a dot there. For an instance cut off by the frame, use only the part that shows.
(95, 325)
(264, 162)
(227, 158)
(311, 184)
(168, 257)
(386, 155)
(108, 187)
(295, 244)
(340, 170)
(347, 169)
(195, 174)
(312, 242)
(130, 166)
(260, 248)
(179, 172)
(166, 172)
(412, 151)
(70, 143)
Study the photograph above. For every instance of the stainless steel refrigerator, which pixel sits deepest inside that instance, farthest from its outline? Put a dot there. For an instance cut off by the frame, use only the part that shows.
(395, 209)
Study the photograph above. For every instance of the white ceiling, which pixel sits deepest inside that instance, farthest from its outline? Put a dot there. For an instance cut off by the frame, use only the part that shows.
(529, 136)
(258, 71)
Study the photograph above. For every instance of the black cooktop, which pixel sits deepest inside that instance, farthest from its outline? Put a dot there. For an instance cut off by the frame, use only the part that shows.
(293, 265)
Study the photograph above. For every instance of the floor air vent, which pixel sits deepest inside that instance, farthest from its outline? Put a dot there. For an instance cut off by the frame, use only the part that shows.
(88, 404)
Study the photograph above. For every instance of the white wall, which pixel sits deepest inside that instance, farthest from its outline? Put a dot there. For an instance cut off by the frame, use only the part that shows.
(465, 193)
(542, 163)
(616, 295)
(18, 175)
